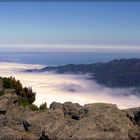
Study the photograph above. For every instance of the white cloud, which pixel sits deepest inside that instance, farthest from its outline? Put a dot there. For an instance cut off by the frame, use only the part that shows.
(61, 88)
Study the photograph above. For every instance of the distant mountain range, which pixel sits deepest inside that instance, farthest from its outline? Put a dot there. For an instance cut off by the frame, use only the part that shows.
(116, 73)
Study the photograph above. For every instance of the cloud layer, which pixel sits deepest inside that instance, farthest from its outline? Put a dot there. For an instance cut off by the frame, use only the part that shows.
(61, 88)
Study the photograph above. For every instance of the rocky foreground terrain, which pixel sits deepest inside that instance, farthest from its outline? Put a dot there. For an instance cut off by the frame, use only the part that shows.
(67, 121)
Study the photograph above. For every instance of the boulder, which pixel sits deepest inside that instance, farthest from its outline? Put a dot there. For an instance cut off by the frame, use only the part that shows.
(56, 105)
(74, 110)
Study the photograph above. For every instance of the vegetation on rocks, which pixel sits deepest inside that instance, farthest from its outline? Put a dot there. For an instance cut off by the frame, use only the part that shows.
(23, 101)
(27, 96)
(43, 106)
(33, 107)
(2, 92)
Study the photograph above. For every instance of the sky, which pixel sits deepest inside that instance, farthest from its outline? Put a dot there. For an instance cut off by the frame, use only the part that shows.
(69, 25)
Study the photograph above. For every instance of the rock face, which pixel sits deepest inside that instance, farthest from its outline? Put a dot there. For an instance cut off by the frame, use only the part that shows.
(1, 84)
(68, 121)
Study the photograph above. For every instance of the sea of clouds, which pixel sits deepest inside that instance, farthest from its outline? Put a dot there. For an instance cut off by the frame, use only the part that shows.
(51, 87)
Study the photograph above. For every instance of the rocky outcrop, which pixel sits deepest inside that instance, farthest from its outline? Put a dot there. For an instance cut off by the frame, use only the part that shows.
(67, 121)
(1, 84)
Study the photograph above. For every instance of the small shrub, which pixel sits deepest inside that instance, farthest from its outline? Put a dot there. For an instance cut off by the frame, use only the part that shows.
(33, 107)
(7, 83)
(43, 106)
(2, 92)
(23, 102)
(28, 94)
(12, 83)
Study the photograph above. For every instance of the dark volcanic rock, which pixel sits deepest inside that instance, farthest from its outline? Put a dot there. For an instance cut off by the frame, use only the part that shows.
(134, 115)
(74, 110)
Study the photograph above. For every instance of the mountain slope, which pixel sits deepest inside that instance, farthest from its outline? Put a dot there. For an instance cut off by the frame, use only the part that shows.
(116, 73)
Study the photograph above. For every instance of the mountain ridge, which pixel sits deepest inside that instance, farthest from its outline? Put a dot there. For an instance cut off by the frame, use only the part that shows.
(115, 73)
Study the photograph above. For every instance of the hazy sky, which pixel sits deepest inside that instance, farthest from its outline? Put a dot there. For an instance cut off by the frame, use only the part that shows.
(69, 25)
